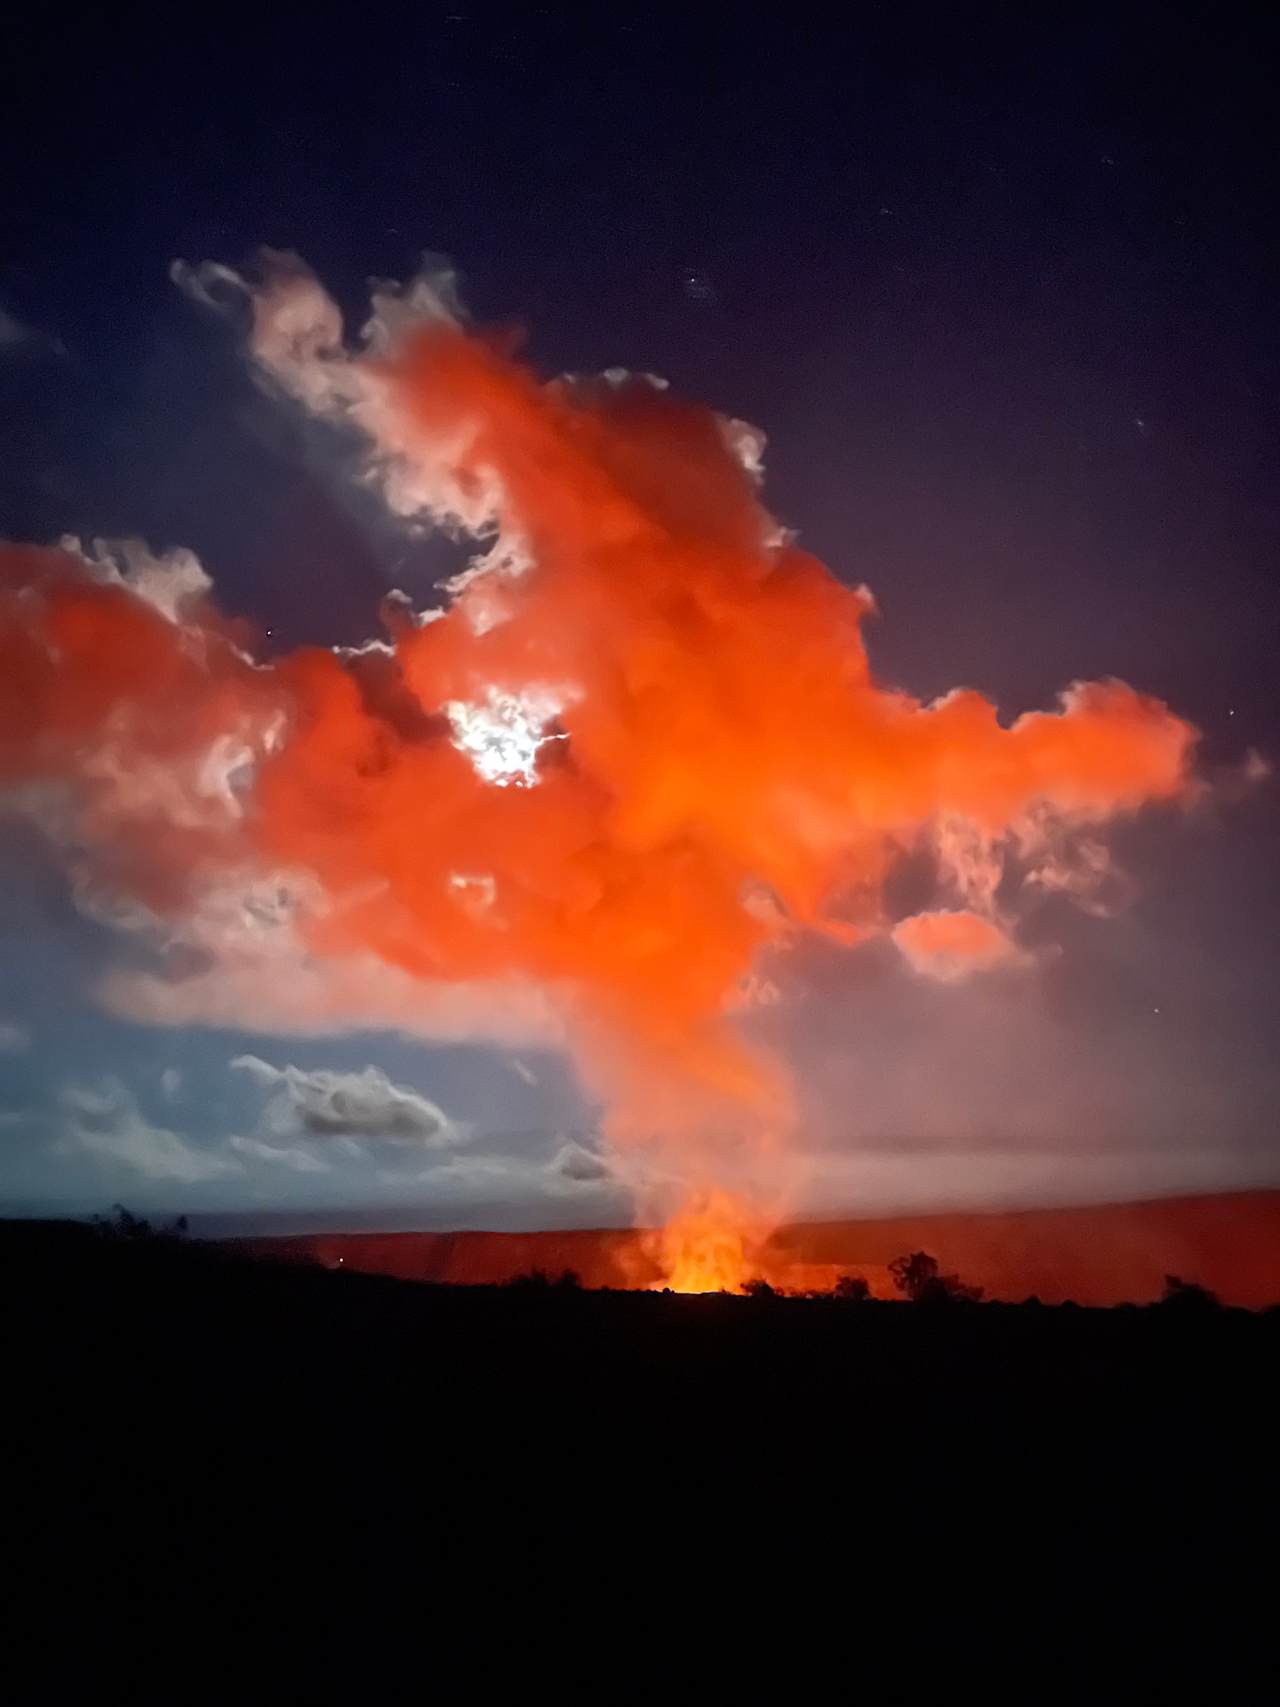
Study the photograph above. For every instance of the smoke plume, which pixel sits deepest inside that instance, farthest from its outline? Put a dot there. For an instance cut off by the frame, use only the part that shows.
(640, 749)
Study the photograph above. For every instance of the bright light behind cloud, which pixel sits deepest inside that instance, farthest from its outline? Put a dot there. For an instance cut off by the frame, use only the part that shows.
(504, 734)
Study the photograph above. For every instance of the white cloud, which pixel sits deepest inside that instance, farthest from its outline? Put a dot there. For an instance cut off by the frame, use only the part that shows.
(170, 582)
(171, 1083)
(108, 1124)
(263, 979)
(13, 1038)
(291, 1156)
(326, 1103)
(296, 342)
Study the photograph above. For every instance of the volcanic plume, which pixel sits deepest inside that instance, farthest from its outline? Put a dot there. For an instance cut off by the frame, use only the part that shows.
(638, 748)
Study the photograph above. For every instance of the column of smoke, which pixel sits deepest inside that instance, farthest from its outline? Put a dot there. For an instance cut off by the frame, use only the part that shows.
(640, 749)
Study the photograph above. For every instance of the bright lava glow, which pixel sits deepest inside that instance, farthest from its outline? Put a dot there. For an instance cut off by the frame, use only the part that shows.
(709, 1245)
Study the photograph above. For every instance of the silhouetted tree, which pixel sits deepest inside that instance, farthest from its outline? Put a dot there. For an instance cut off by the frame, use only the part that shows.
(853, 1289)
(912, 1274)
(758, 1288)
(1182, 1294)
(918, 1279)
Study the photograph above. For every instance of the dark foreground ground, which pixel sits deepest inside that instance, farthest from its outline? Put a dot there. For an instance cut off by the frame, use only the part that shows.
(228, 1479)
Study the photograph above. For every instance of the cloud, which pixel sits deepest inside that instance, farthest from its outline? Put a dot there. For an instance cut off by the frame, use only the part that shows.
(950, 946)
(171, 1083)
(241, 949)
(13, 1038)
(575, 1162)
(574, 1175)
(107, 1123)
(276, 987)
(366, 1103)
(296, 342)
(171, 582)
(293, 1156)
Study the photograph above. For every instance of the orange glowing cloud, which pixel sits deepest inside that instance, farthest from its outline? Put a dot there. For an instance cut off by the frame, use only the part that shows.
(641, 745)
(950, 946)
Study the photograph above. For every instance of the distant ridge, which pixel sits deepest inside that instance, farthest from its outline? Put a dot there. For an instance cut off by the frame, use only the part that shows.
(1101, 1254)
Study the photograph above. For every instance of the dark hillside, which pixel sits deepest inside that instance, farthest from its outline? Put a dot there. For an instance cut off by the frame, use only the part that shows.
(246, 1453)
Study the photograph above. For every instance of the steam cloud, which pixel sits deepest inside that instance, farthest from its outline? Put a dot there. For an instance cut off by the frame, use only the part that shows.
(641, 747)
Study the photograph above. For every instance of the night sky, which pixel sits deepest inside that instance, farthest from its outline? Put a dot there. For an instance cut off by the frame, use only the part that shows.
(1001, 291)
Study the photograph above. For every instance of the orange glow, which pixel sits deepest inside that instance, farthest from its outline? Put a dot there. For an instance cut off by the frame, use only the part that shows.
(716, 1242)
(711, 1244)
(616, 773)
(948, 945)
(1106, 1254)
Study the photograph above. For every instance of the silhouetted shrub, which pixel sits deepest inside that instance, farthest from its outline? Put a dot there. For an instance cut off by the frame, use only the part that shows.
(852, 1289)
(758, 1288)
(1182, 1294)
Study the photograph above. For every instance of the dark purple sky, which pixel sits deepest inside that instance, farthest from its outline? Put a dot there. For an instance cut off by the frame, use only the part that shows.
(1001, 289)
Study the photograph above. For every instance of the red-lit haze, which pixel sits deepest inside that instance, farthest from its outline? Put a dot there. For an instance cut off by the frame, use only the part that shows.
(1104, 1254)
